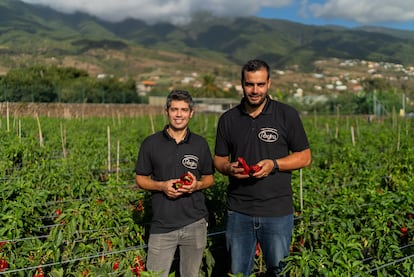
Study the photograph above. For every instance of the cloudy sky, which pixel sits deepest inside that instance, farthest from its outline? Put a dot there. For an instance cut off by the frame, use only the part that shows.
(350, 13)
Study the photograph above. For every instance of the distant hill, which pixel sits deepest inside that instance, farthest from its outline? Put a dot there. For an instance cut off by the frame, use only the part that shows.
(281, 42)
(40, 32)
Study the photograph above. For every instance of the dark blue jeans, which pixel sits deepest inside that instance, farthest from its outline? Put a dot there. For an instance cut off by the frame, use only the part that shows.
(242, 234)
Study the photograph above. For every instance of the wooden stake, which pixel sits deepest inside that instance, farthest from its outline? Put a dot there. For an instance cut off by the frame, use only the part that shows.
(109, 148)
(40, 131)
(117, 160)
(63, 139)
(152, 124)
(353, 135)
(20, 131)
(7, 117)
(301, 189)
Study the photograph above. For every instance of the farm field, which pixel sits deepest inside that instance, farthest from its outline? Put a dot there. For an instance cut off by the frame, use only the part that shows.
(70, 206)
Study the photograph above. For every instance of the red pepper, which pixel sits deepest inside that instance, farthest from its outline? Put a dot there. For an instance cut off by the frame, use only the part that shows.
(254, 168)
(140, 206)
(3, 264)
(257, 252)
(177, 185)
(243, 164)
(185, 180)
(138, 266)
(39, 272)
(248, 170)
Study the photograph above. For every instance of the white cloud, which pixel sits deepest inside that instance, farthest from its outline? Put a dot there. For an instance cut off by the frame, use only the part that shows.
(303, 10)
(175, 11)
(365, 11)
(181, 11)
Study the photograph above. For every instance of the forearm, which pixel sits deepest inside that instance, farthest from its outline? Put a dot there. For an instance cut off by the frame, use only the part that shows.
(223, 165)
(145, 182)
(205, 181)
(295, 160)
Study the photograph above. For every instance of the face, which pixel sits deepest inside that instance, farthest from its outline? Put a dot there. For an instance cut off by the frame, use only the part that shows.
(179, 114)
(255, 87)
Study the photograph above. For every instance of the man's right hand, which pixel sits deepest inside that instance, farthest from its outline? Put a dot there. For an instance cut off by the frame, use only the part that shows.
(170, 190)
(236, 171)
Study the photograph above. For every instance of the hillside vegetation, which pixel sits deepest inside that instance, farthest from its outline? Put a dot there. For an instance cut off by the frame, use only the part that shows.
(210, 51)
(41, 32)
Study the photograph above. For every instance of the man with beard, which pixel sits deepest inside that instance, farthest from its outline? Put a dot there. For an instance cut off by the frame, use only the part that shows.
(269, 135)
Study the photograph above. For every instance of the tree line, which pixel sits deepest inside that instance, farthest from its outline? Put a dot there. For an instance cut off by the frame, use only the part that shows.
(64, 84)
(48, 84)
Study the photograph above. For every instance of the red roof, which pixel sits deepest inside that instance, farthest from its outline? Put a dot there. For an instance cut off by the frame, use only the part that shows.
(148, 83)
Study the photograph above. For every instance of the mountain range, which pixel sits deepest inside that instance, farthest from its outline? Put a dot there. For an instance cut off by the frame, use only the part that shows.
(32, 33)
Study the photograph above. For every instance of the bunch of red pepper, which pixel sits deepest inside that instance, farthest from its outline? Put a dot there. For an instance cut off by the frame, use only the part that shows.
(248, 169)
(185, 180)
(138, 266)
(3, 264)
(39, 272)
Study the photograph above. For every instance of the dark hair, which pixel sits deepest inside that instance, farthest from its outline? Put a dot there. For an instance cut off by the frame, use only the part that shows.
(177, 94)
(254, 65)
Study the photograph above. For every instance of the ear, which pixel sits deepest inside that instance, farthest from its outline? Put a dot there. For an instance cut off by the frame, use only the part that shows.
(191, 113)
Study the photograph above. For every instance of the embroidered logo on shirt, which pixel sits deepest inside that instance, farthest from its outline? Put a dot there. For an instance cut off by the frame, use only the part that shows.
(190, 161)
(268, 135)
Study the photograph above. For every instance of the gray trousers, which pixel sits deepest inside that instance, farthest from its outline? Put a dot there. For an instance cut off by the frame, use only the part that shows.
(191, 241)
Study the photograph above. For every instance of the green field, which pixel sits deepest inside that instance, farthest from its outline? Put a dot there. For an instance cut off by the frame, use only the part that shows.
(70, 206)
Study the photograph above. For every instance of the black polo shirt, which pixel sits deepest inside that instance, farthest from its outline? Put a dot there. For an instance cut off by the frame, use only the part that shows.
(163, 159)
(273, 134)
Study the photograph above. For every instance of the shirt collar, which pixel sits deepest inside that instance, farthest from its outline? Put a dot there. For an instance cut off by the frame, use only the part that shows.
(167, 135)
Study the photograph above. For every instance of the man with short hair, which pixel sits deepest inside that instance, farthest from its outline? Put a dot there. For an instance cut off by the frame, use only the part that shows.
(176, 165)
(270, 138)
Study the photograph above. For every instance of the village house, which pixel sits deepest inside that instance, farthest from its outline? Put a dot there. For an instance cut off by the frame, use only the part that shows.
(145, 87)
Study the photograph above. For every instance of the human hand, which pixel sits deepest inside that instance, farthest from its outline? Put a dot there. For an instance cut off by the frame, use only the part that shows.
(264, 168)
(187, 183)
(170, 189)
(236, 171)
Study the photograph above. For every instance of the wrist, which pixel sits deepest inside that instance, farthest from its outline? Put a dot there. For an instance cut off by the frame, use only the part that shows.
(275, 166)
(164, 187)
(229, 169)
(198, 185)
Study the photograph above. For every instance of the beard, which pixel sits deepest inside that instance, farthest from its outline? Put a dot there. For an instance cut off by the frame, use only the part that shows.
(255, 104)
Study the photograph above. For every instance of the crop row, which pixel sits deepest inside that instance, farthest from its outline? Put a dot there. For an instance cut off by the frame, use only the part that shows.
(70, 206)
